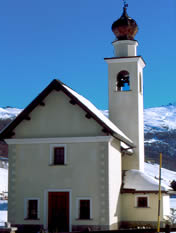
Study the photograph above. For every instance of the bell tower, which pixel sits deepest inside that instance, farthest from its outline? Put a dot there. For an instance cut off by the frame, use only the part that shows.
(125, 73)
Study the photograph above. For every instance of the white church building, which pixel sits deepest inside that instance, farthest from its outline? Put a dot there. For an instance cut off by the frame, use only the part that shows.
(72, 168)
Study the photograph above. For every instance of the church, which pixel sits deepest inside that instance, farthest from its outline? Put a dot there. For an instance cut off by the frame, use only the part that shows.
(72, 168)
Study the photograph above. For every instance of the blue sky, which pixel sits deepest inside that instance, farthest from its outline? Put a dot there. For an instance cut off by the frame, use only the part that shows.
(68, 39)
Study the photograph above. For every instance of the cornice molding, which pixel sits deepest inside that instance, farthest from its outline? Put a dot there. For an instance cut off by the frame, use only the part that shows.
(59, 140)
(125, 59)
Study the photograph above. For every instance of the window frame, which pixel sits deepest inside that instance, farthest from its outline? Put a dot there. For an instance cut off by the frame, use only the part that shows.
(26, 205)
(142, 196)
(78, 207)
(52, 150)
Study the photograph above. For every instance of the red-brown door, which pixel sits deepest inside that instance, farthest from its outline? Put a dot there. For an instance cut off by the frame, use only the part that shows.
(58, 211)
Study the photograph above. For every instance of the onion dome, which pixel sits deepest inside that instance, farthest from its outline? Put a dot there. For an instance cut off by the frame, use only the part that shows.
(125, 28)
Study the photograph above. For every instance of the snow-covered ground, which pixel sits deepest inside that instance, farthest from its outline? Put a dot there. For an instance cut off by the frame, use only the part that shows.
(167, 176)
(3, 188)
(3, 180)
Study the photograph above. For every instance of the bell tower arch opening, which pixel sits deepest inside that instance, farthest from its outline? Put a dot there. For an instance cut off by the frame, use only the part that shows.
(123, 81)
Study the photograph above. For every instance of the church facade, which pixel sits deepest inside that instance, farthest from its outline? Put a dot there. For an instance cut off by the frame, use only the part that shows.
(70, 167)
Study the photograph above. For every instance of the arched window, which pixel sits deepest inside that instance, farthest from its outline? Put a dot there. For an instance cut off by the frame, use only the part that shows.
(123, 81)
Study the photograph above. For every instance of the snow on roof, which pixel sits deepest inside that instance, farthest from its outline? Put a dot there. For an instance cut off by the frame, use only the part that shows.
(167, 176)
(140, 181)
(101, 116)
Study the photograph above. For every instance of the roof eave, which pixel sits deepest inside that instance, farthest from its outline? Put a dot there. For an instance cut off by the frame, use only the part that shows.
(126, 141)
(142, 191)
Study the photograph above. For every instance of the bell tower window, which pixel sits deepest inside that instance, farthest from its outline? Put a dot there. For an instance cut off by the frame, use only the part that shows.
(123, 81)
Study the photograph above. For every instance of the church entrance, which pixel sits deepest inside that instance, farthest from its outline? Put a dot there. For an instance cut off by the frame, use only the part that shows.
(58, 211)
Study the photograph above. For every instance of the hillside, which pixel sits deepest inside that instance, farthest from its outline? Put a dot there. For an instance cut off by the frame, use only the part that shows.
(159, 127)
(6, 116)
(160, 134)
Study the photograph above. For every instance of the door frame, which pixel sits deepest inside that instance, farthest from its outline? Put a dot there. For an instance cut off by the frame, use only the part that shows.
(46, 206)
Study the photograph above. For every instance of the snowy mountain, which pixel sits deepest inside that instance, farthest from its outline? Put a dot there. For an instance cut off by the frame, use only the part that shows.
(160, 118)
(9, 113)
(160, 134)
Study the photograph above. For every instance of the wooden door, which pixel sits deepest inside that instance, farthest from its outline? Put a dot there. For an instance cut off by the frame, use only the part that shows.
(58, 211)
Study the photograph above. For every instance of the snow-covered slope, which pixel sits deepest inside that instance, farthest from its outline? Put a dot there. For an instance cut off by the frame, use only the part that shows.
(9, 113)
(167, 176)
(160, 118)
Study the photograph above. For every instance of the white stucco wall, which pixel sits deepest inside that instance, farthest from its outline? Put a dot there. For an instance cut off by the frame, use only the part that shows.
(85, 175)
(130, 213)
(126, 108)
(114, 166)
(125, 48)
(58, 118)
(166, 205)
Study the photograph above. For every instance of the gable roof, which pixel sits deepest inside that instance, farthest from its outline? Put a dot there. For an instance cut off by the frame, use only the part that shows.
(91, 112)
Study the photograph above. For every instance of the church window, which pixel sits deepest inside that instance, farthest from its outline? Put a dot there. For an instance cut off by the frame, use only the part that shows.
(84, 208)
(57, 154)
(32, 208)
(123, 81)
(142, 202)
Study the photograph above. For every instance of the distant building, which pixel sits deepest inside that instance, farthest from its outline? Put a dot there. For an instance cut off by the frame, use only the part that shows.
(73, 168)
